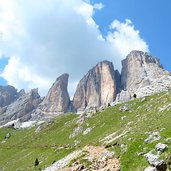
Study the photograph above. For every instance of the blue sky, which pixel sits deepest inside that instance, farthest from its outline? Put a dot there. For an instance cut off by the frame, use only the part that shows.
(44, 39)
(151, 17)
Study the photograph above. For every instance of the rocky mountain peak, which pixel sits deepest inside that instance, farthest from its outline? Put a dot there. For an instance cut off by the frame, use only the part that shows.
(142, 74)
(7, 95)
(96, 88)
(21, 107)
(144, 57)
(57, 100)
(139, 68)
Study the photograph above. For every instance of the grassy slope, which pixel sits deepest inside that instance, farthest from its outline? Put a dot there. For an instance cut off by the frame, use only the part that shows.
(24, 146)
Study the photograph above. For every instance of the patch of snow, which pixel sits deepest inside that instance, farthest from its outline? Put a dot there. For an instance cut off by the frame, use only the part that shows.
(28, 124)
(10, 123)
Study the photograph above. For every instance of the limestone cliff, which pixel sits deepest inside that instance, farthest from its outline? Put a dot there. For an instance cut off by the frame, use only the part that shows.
(57, 100)
(139, 68)
(142, 74)
(96, 88)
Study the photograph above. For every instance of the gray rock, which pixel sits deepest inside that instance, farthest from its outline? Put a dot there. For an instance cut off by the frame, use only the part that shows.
(96, 88)
(76, 131)
(105, 155)
(154, 161)
(123, 148)
(152, 158)
(7, 95)
(8, 135)
(64, 161)
(118, 81)
(138, 69)
(142, 75)
(76, 142)
(123, 96)
(102, 108)
(22, 107)
(88, 130)
(57, 100)
(150, 168)
(124, 108)
(161, 147)
(83, 117)
(153, 137)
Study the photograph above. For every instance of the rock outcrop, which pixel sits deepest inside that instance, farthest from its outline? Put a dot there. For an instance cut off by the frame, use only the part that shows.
(142, 75)
(96, 88)
(7, 95)
(21, 107)
(138, 69)
(57, 100)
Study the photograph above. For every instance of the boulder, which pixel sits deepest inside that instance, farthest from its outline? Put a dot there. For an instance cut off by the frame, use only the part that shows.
(153, 137)
(125, 108)
(154, 161)
(161, 147)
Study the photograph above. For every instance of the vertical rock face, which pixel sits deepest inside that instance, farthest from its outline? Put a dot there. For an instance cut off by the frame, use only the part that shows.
(7, 95)
(96, 88)
(142, 75)
(138, 69)
(57, 100)
(118, 81)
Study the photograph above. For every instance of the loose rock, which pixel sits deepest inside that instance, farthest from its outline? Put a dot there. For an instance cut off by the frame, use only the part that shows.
(153, 137)
(124, 108)
(161, 147)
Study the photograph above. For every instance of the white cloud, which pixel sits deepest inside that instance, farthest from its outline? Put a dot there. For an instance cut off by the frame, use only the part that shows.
(98, 6)
(123, 38)
(46, 39)
(20, 76)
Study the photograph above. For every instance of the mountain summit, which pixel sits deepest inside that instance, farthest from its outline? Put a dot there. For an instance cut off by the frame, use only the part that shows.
(96, 88)
(141, 75)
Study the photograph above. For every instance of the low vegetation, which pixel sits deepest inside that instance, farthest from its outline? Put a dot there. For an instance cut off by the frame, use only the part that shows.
(123, 132)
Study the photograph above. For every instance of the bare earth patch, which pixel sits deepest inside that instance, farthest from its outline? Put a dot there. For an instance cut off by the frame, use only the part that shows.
(95, 158)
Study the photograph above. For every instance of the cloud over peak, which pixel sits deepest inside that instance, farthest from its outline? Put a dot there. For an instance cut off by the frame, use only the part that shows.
(47, 39)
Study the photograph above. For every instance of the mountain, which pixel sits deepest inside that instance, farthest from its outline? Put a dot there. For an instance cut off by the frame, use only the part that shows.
(20, 105)
(139, 69)
(124, 131)
(57, 100)
(141, 75)
(96, 88)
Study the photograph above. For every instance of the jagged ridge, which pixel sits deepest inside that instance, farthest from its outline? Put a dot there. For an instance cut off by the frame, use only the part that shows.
(141, 74)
